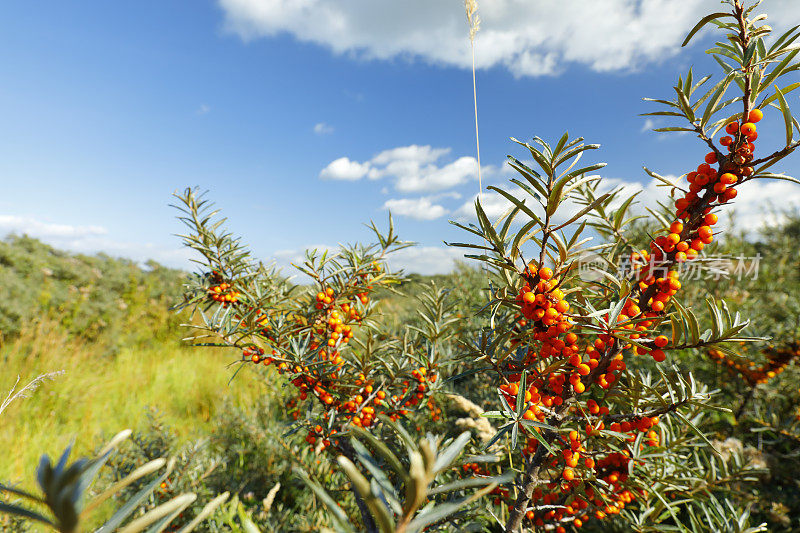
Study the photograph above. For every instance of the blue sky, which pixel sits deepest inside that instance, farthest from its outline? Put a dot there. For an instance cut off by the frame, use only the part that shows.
(110, 107)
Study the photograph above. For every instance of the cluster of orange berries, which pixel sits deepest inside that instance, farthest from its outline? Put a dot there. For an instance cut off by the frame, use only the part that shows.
(576, 510)
(740, 145)
(543, 310)
(717, 185)
(777, 361)
(333, 324)
(476, 469)
(415, 393)
(543, 302)
(692, 229)
(224, 293)
(613, 468)
(255, 354)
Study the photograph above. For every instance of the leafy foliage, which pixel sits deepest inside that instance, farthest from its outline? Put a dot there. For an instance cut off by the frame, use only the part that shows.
(63, 487)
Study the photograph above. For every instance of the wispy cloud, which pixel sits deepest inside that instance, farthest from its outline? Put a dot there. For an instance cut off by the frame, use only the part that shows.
(204, 109)
(416, 208)
(321, 128)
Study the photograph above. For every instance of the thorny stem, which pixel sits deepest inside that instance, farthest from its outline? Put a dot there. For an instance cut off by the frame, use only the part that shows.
(744, 39)
(780, 154)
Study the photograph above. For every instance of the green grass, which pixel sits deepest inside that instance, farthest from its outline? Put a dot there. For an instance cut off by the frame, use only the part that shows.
(99, 395)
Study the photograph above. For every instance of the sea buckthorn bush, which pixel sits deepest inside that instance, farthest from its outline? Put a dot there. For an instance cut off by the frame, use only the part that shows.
(598, 417)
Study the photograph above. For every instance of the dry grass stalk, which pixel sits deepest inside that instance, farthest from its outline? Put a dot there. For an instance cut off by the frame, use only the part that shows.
(28, 389)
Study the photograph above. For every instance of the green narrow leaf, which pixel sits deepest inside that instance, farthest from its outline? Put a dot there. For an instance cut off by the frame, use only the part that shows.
(379, 511)
(209, 508)
(384, 451)
(787, 116)
(24, 513)
(171, 508)
(721, 87)
(449, 454)
(705, 20)
(338, 515)
(777, 71)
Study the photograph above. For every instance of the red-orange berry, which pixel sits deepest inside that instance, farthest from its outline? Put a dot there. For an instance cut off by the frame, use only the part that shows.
(747, 129)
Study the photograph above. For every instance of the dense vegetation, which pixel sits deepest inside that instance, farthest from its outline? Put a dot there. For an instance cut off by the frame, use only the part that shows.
(229, 440)
(655, 390)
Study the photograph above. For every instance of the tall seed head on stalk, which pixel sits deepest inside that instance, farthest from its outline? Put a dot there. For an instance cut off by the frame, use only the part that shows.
(471, 7)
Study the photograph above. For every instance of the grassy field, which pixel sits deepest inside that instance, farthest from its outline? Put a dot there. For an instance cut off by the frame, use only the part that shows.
(99, 395)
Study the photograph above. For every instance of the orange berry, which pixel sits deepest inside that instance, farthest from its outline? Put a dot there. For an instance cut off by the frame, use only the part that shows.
(658, 355)
(568, 474)
(529, 297)
(747, 129)
(545, 273)
(661, 341)
(732, 128)
(676, 227)
(711, 158)
(755, 115)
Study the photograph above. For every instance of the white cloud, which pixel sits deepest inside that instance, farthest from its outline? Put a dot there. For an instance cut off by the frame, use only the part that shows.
(492, 203)
(528, 38)
(761, 204)
(416, 208)
(203, 109)
(419, 155)
(344, 169)
(321, 128)
(648, 125)
(413, 168)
